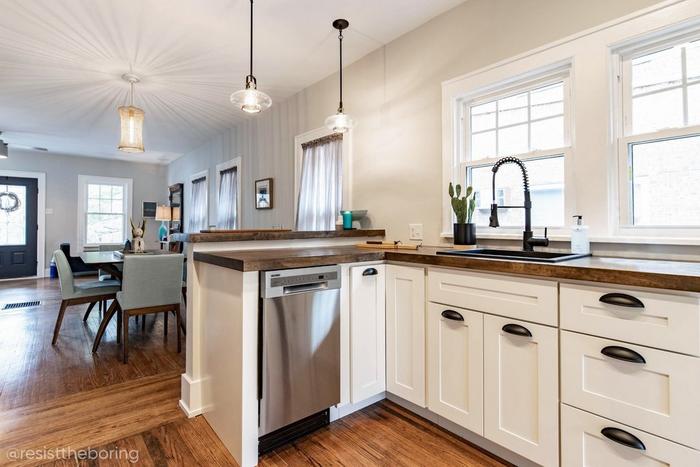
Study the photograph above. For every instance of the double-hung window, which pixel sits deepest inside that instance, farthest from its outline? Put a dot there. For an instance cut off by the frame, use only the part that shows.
(658, 144)
(199, 203)
(104, 208)
(530, 121)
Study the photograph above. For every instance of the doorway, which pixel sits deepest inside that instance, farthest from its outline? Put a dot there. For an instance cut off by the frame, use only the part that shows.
(18, 227)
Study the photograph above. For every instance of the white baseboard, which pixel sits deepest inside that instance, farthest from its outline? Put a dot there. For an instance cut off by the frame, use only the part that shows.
(341, 411)
(191, 396)
(463, 433)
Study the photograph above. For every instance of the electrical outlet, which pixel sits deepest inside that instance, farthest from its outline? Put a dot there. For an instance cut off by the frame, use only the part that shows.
(415, 231)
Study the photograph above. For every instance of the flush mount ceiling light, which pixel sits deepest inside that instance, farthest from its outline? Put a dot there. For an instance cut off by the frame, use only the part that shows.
(3, 149)
(340, 122)
(131, 120)
(251, 100)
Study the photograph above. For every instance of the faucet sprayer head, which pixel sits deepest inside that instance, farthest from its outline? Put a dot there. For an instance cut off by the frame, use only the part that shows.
(493, 218)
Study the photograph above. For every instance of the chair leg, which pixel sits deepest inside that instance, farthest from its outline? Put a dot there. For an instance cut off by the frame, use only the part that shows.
(179, 321)
(119, 325)
(59, 320)
(89, 309)
(143, 323)
(165, 325)
(125, 336)
(103, 325)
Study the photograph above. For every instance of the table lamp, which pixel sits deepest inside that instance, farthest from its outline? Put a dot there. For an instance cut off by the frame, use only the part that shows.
(163, 214)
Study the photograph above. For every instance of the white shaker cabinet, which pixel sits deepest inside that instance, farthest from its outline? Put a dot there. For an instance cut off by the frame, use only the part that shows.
(521, 387)
(455, 365)
(405, 333)
(367, 331)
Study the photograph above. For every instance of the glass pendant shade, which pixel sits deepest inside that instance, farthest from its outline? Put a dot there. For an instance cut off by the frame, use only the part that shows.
(339, 123)
(251, 100)
(131, 129)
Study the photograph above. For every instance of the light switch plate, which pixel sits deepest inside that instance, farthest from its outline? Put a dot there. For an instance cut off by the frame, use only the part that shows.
(415, 231)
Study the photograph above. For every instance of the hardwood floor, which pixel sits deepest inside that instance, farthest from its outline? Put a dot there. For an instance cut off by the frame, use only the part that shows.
(65, 402)
(34, 371)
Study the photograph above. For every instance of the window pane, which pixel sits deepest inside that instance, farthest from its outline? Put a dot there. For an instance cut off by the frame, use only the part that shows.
(512, 140)
(117, 206)
(512, 110)
(483, 145)
(547, 101)
(93, 205)
(692, 61)
(105, 191)
(546, 190)
(666, 182)
(656, 71)
(105, 228)
(13, 217)
(657, 111)
(694, 104)
(93, 191)
(117, 192)
(548, 134)
(105, 206)
(483, 117)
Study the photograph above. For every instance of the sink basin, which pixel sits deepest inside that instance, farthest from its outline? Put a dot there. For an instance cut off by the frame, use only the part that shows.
(539, 256)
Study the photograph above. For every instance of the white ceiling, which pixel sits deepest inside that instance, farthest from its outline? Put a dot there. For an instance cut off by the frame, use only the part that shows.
(61, 62)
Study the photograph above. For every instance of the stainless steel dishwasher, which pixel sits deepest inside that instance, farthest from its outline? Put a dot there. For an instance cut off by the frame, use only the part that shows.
(299, 361)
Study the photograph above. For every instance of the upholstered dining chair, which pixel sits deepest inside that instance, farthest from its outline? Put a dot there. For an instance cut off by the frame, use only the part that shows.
(75, 294)
(151, 284)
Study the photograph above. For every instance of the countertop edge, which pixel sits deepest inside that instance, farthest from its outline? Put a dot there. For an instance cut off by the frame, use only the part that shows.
(212, 237)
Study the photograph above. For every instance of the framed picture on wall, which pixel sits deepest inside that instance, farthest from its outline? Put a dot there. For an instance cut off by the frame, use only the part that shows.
(263, 193)
(149, 209)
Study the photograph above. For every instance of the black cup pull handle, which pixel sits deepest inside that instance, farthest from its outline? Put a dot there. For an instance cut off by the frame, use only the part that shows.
(621, 299)
(516, 330)
(622, 353)
(370, 272)
(622, 437)
(453, 315)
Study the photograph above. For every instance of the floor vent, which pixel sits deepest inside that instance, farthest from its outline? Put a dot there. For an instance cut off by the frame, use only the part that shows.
(14, 306)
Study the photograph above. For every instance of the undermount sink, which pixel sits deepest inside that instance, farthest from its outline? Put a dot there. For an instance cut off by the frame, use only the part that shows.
(539, 256)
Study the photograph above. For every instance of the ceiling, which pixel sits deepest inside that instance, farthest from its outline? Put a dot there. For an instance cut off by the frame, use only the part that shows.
(61, 62)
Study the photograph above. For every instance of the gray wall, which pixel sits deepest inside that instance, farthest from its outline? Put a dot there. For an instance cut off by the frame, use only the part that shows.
(395, 95)
(149, 184)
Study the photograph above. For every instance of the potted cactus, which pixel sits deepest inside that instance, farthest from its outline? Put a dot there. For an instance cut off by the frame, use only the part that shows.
(464, 230)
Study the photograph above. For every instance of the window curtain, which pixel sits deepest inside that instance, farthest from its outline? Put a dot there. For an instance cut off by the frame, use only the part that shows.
(198, 203)
(321, 184)
(228, 200)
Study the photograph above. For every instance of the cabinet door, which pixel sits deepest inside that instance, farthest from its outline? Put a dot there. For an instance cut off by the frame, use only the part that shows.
(455, 365)
(405, 332)
(521, 388)
(367, 332)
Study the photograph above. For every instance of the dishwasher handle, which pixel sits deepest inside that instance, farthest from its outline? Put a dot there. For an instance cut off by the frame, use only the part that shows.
(304, 288)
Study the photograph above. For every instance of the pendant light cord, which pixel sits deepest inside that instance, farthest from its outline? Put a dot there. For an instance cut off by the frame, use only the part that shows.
(131, 84)
(340, 39)
(250, 79)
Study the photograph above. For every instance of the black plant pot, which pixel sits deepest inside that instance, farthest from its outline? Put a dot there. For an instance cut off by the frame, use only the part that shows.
(464, 234)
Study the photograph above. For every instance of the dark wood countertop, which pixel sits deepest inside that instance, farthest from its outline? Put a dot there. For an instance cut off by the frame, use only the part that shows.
(672, 275)
(249, 235)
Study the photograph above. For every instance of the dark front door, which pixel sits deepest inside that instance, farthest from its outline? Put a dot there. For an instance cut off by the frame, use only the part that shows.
(18, 227)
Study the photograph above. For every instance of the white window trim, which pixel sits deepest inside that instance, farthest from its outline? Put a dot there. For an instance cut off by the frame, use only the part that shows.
(622, 55)
(478, 91)
(347, 164)
(595, 161)
(205, 175)
(83, 182)
(224, 166)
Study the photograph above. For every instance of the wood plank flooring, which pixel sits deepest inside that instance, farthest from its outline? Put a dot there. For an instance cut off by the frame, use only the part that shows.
(59, 401)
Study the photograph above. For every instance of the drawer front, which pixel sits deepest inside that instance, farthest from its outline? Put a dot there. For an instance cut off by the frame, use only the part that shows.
(664, 321)
(659, 396)
(583, 444)
(515, 297)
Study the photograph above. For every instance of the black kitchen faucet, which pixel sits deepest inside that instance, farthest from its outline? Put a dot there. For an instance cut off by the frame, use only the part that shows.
(529, 241)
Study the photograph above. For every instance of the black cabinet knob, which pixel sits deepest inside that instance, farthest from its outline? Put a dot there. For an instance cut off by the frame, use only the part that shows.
(622, 353)
(516, 330)
(621, 299)
(622, 437)
(370, 272)
(453, 315)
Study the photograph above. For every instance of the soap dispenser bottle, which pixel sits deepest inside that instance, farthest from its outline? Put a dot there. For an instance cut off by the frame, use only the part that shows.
(580, 245)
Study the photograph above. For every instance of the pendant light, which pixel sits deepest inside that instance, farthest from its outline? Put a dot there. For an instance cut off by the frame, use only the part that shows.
(131, 120)
(251, 100)
(340, 122)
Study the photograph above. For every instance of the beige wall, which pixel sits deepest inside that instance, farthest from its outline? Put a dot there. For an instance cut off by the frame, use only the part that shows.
(394, 94)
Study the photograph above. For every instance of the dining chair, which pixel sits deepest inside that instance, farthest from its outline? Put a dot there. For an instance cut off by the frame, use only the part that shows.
(103, 275)
(151, 284)
(83, 292)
